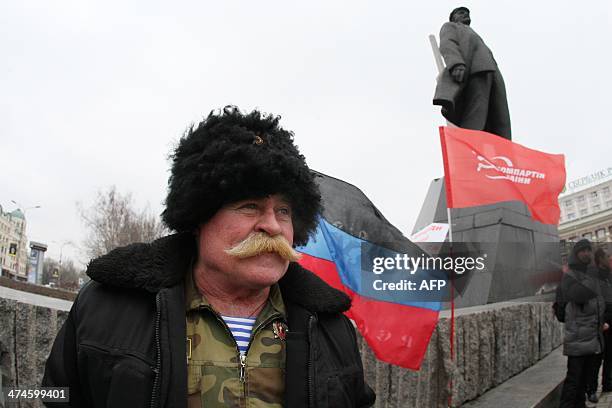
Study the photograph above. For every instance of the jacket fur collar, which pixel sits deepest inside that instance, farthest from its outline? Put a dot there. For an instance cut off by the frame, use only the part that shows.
(164, 262)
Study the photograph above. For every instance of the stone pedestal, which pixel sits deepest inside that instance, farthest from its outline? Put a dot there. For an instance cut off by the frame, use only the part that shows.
(523, 257)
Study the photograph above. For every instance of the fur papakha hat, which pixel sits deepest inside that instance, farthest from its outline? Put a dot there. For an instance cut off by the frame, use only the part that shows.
(231, 156)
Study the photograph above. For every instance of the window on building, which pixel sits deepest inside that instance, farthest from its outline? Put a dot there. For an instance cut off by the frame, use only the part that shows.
(606, 191)
(593, 194)
(573, 239)
(583, 212)
(587, 235)
(596, 207)
(571, 216)
(569, 203)
(608, 203)
(581, 200)
(600, 234)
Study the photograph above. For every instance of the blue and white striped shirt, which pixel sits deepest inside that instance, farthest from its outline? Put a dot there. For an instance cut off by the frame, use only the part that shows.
(242, 329)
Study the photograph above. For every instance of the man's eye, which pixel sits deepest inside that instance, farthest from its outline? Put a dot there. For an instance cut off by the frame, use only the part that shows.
(284, 211)
(249, 206)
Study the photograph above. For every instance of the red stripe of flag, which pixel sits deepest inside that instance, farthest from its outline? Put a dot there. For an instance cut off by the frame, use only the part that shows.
(397, 334)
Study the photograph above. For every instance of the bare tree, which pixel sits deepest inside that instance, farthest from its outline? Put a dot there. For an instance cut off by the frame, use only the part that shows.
(49, 266)
(64, 275)
(68, 276)
(112, 222)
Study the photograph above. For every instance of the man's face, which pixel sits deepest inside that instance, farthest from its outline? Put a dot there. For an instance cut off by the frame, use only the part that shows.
(462, 16)
(603, 261)
(231, 225)
(584, 256)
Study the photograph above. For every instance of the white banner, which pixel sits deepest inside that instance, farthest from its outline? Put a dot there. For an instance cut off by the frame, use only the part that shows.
(435, 232)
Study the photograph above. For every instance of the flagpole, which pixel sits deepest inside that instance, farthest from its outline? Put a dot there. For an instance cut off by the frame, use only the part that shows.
(436, 52)
(450, 226)
(440, 65)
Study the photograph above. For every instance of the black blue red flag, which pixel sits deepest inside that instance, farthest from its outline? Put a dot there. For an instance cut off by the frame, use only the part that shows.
(397, 326)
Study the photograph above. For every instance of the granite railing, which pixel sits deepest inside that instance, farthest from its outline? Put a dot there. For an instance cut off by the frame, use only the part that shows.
(492, 343)
(27, 332)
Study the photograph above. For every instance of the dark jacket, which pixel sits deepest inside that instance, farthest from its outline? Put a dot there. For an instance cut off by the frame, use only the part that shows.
(584, 311)
(123, 344)
(605, 283)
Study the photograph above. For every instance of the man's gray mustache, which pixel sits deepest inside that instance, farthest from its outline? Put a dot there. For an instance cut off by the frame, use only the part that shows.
(260, 243)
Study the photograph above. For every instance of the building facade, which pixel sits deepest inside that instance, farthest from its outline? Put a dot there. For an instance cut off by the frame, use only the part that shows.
(13, 245)
(586, 212)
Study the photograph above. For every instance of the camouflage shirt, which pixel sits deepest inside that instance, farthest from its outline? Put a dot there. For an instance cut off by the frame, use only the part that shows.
(216, 375)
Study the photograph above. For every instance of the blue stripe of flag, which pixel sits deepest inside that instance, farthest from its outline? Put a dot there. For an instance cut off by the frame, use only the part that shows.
(344, 250)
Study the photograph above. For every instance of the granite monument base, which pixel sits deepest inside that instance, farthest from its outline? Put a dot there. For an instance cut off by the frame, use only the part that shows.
(522, 255)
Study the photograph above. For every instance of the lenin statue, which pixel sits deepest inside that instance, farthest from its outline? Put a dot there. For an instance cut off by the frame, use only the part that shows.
(471, 89)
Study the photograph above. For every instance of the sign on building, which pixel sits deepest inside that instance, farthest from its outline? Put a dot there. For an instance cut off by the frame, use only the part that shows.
(586, 181)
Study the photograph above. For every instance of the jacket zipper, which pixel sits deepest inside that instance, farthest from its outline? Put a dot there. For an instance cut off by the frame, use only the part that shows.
(157, 369)
(311, 322)
(242, 357)
(242, 367)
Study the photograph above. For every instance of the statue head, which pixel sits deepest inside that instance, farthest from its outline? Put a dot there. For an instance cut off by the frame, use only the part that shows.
(460, 15)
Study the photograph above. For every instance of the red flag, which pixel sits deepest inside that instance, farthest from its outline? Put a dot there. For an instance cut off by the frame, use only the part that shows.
(481, 168)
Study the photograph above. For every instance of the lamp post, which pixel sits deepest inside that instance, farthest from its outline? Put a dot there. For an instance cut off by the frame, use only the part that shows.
(63, 244)
(23, 210)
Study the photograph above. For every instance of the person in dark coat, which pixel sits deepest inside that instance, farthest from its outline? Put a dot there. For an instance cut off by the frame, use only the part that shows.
(583, 331)
(601, 271)
(218, 314)
(471, 89)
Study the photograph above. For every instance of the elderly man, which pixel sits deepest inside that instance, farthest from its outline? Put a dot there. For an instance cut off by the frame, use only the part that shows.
(471, 89)
(219, 314)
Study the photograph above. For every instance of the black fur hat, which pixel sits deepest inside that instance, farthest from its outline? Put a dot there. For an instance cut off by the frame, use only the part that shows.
(231, 156)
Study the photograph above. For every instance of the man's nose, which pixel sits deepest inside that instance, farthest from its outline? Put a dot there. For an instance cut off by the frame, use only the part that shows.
(268, 223)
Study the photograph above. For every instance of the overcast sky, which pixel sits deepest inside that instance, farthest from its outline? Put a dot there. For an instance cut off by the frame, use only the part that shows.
(96, 93)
